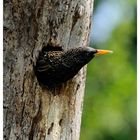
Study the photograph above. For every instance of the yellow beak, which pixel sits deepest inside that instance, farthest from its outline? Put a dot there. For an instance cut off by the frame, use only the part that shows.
(102, 52)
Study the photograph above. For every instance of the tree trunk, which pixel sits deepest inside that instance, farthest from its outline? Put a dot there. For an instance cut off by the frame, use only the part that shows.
(30, 111)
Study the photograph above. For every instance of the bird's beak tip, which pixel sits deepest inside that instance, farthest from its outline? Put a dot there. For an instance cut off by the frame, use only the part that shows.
(102, 52)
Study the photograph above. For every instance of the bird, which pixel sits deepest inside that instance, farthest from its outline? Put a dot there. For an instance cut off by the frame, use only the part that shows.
(55, 65)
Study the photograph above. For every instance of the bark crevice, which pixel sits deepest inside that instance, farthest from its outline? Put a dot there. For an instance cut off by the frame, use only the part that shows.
(35, 122)
(50, 128)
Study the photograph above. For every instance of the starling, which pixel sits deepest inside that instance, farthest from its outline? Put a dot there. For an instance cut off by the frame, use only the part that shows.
(55, 66)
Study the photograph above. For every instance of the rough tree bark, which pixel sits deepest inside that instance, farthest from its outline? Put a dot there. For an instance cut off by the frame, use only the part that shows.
(30, 111)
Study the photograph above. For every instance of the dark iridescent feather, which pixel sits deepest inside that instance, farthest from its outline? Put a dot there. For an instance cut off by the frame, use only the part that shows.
(56, 66)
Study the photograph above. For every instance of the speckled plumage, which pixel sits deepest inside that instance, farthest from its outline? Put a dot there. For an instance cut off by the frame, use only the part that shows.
(56, 66)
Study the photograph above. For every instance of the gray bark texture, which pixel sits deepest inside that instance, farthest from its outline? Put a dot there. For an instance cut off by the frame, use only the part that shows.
(30, 111)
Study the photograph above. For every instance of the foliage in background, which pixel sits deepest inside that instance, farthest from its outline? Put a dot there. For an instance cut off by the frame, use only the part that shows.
(110, 100)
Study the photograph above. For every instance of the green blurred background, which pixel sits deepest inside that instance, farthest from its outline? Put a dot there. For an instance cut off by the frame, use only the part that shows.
(109, 111)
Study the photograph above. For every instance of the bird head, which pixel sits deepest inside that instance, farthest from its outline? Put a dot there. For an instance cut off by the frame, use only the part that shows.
(78, 57)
